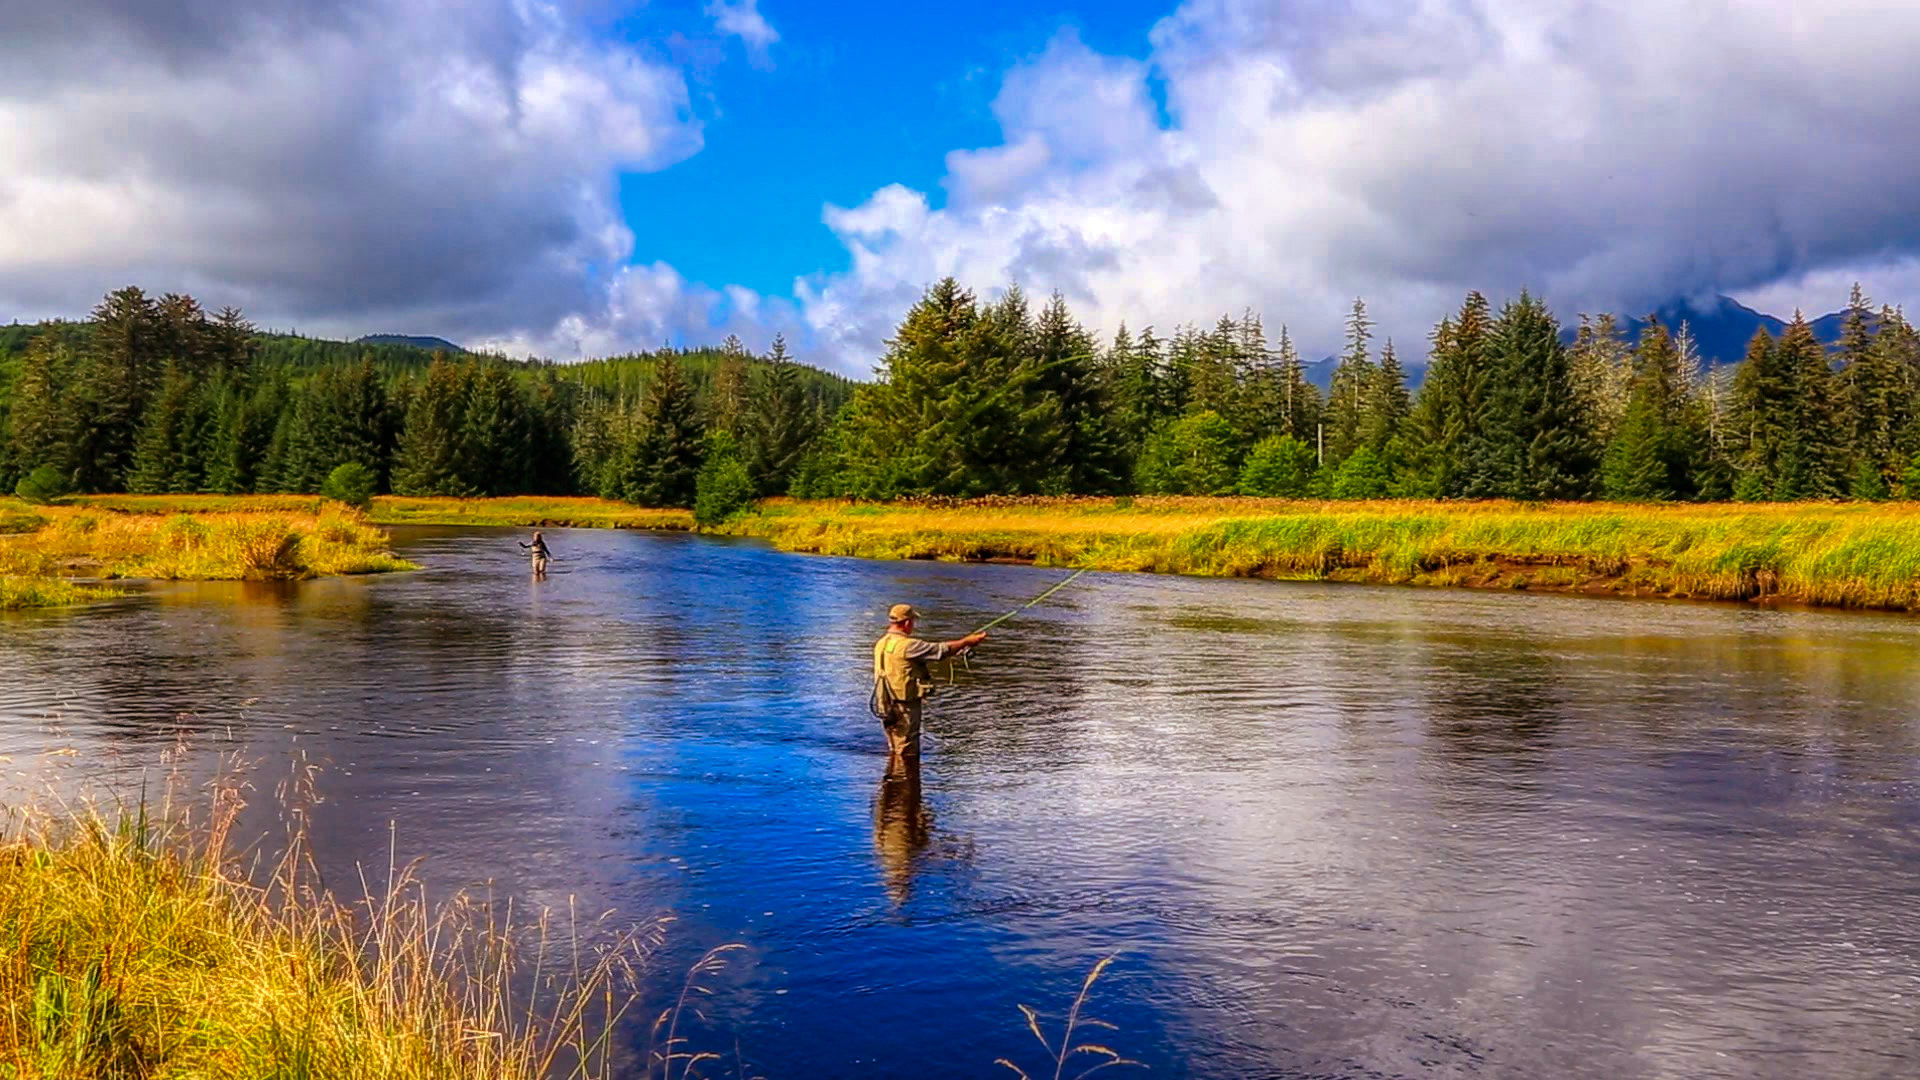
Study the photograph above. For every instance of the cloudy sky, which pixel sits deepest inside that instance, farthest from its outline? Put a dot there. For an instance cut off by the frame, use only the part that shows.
(579, 177)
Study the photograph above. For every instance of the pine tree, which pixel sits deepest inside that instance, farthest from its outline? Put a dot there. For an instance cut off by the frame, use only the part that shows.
(1451, 449)
(727, 402)
(495, 434)
(1387, 405)
(1880, 384)
(1299, 399)
(666, 453)
(1602, 374)
(37, 422)
(1082, 444)
(1813, 455)
(166, 456)
(1652, 454)
(1539, 445)
(780, 424)
(123, 365)
(1353, 383)
(432, 445)
(1141, 399)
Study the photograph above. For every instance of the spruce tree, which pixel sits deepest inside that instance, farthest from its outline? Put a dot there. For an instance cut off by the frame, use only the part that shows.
(432, 445)
(123, 365)
(1652, 453)
(1354, 380)
(1879, 381)
(1451, 453)
(37, 422)
(667, 451)
(1081, 443)
(1602, 374)
(1813, 455)
(495, 434)
(779, 423)
(1387, 405)
(166, 456)
(1299, 400)
(1539, 446)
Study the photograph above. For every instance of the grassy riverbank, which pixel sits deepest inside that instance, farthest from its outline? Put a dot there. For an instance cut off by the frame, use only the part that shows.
(138, 948)
(533, 511)
(527, 511)
(1842, 555)
(226, 540)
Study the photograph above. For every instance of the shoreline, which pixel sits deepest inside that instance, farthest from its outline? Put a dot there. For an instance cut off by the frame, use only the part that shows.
(1860, 556)
(1830, 556)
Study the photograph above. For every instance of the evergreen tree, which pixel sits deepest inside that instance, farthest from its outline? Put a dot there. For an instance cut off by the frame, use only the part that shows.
(1137, 388)
(1539, 446)
(780, 424)
(495, 434)
(1602, 374)
(1652, 454)
(166, 456)
(1193, 455)
(1348, 399)
(1880, 386)
(1451, 449)
(37, 422)
(1813, 460)
(727, 402)
(123, 364)
(1388, 404)
(666, 455)
(1299, 400)
(432, 445)
(1082, 444)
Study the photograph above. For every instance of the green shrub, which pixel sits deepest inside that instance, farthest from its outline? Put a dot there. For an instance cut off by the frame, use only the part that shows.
(1279, 466)
(1362, 476)
(43, 485)
(352, 483)
(723, 489)
(1190, 456)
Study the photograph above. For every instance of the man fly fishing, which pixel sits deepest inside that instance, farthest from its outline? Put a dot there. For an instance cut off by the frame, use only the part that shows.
(538, 553)
(900, 677)
(901, 681)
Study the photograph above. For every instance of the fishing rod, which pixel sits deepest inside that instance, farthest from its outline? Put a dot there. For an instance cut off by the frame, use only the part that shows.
(873, 702)
(1033, 602)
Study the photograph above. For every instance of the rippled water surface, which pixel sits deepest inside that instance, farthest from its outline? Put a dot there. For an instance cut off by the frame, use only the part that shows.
(1328, 831)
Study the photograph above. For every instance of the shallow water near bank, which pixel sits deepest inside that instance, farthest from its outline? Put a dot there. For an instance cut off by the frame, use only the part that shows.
(1328, 830)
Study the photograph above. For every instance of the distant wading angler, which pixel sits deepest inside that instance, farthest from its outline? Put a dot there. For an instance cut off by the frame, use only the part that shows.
(537, 551)
(901, 681)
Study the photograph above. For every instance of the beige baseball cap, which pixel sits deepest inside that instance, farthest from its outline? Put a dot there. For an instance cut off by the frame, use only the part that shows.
(901, 613)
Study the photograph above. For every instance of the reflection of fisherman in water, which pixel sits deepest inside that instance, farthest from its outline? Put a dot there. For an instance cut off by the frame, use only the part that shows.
(538, 551)
(902, 827)
(900, 678)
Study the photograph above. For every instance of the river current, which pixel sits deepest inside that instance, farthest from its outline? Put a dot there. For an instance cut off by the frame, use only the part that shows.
(1324, 831)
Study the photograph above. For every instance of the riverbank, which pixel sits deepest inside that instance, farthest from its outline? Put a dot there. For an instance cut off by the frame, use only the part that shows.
(139, 948)
(1861, 555)
(44, 548)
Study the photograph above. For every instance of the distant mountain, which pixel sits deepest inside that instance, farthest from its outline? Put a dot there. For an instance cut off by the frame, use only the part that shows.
(411, 341)
(1723, 327)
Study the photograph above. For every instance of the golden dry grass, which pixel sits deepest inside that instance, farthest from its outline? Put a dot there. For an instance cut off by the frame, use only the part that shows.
(527, 512)
(139, 947)
(1846, 555)
(88, 541)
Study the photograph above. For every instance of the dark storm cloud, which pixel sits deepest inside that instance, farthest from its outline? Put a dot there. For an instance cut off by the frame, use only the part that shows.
(333, 162)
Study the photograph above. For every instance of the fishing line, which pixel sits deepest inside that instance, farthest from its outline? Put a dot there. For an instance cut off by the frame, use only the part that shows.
(1033, 602)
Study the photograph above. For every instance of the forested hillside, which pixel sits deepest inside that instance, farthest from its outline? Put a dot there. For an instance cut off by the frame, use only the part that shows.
(974, 399)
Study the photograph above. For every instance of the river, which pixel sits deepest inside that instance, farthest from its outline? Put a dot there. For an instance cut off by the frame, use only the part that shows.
(1325, 831)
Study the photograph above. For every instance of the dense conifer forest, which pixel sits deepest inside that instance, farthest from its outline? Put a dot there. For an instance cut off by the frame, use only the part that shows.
(156, 395)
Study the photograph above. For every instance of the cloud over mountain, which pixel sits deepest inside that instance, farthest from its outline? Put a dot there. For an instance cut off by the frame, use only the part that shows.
(1608, 156)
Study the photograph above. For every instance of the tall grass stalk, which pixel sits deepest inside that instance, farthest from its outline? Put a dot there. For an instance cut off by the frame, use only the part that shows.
(139, 946)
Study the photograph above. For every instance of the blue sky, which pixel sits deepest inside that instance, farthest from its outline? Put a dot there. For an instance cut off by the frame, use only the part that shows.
(858, 95)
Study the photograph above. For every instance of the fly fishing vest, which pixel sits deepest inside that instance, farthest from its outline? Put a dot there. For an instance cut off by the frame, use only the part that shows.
(895, 677)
